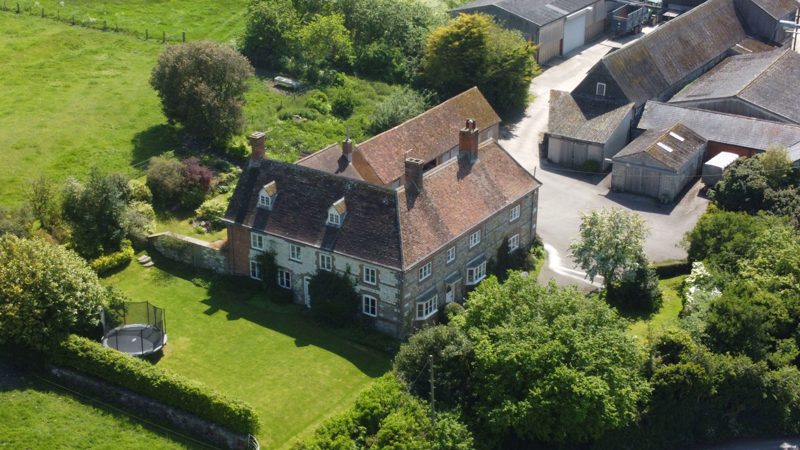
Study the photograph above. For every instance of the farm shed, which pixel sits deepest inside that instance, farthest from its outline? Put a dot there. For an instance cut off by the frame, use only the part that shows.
(585, 129)
(659, 163)
(556, 26)
(760, 85)
(715, 167)
(762, 18)
(744, 136)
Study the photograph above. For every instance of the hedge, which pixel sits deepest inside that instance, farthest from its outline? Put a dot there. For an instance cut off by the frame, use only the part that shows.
(672, 268)
(107, 263)
(144, 378)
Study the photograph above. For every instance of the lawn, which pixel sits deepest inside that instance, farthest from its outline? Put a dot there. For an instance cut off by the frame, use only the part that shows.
(200, 19)
(71, 98)
(34, 416)
(667, 317)
(226, 334)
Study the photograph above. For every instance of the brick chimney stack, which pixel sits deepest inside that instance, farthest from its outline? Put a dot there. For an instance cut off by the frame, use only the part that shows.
(414, 174)
(347, 149)
(257, 144)
(468, 141)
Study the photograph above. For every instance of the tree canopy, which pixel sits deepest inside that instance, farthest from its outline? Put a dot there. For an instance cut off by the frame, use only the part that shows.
(201, 86)
(46, 292)
(611, 244)
(472, 50)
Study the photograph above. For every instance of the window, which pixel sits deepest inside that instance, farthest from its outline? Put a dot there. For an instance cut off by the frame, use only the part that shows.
(295, 253)
(425, 271)
(513, 243)
(334, 219)
(370, 306)
(325, 262)
(265, 201)
(370, 275)
(474, 239)
(255, 270)
(427, 308)
(476, 274)
(601, 89)
(284, 279)
(514, 214)
(451, 254)
(257, 241)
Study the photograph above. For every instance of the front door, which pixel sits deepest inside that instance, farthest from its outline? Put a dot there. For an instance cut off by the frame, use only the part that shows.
(306, 294)
(449, 294)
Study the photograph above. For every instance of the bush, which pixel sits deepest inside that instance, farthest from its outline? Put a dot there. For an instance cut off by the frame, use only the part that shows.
(343, 102)
(139, 191)
(139, 222)
(165, 180)
(212, 211)
(318, 101)
(196, 184)
(641, 292)
(402, 105)
(269, 278)
(107, 263)
(333, 298)
(144, 378)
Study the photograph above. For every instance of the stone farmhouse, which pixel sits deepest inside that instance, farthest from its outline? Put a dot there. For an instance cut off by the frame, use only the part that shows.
(596, 119)
(413, 215)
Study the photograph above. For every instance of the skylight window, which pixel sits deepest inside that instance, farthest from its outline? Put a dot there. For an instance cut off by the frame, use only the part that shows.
(677, 136)
(666, 147)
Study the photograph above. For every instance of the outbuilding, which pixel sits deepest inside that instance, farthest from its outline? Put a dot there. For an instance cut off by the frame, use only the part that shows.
(715, 167)
(556, 26)
(659, 163)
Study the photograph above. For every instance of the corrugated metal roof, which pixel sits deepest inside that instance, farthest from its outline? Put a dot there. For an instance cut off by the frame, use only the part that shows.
(723, 128)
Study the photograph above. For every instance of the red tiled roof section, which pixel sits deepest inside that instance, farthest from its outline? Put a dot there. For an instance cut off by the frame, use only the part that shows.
(457, 197)
(425, 137)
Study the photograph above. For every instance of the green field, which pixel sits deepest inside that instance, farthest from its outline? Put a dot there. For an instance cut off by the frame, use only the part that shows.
(71, 98)
(227, 335)
(33, 416)
(200, 19)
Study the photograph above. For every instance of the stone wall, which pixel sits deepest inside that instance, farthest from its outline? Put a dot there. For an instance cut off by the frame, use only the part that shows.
(153, 410)
(195, 252)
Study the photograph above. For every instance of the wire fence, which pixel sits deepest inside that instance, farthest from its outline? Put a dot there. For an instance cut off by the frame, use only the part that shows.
(84, 21)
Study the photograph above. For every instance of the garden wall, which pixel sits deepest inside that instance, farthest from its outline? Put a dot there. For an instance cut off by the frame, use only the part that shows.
(188, 250)
(152, 410)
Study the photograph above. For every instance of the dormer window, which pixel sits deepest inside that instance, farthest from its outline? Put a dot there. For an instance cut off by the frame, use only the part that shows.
(267, 194)
(600, 89)
(336, 213)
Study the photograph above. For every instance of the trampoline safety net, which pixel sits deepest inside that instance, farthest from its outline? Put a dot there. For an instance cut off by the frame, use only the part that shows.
(136, 328)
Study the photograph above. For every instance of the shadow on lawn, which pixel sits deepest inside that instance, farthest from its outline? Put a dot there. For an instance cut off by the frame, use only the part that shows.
(240, 299)
(154, 141)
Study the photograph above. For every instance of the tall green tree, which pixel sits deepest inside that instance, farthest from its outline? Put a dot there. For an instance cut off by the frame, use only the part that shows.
(96, 213)
(201, 86)
(44, 199)
(270, 35)
(611, 244)
(325, 43)
(472, 50)
(46, 292)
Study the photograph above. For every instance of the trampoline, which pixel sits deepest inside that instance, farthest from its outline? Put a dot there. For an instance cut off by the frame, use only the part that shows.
(135, 328)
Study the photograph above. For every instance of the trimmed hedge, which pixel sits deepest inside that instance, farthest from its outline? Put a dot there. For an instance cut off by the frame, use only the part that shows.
(107, 263)
(672, 268)
(144, 378)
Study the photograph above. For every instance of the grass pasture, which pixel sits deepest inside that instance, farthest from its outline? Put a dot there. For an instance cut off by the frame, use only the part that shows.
(200, 19)
(71, 98)
(226, 334)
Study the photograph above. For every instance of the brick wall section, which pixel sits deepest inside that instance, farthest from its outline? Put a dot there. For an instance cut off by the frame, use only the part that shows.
(238, 243)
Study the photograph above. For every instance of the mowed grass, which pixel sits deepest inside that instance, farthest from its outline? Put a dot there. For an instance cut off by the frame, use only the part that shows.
(71, 98)
(226, 334)
(34, 417)
(200, 19)
(667, 317)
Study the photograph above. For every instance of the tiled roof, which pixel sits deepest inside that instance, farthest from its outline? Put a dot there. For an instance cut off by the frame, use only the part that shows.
(584, 118)
(663, 58)
(370, 230)
(331, 160)
(719, 127)
(672, 147)
(456, 197)
(539, 12)
(770, 81)
(425, 136)
(777, 8)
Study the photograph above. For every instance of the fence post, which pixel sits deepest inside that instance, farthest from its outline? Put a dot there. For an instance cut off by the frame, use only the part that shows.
(17, 7)
(42, 13)
(73, 19)
(163, 37)
(145, 34)
(184, 36)
(105, 27)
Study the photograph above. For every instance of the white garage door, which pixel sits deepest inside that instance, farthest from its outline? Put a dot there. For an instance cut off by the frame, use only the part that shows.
(574, 32)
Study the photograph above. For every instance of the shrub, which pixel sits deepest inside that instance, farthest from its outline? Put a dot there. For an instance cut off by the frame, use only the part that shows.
(46, 292)
(16, 221)
(113, 261)
(640, 292)
(318, 101)
(343, 102)
(333, 297)
(165, 180)
(402, 105)
(212, 211)
(139, 222)
(452, 310)
(144, 378)
(139, 191)
(196, 183)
